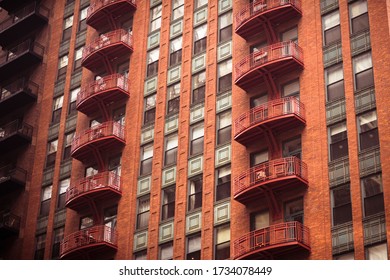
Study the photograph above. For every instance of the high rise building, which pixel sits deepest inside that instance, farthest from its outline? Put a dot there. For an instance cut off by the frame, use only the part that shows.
(194, 129)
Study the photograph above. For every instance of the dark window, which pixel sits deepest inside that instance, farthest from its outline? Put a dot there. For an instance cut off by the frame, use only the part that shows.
(359, 16)
(373, 195)
(40, 242)
(193, 247)
(173, 93)
(331, 27)
(195, 193)
(168, 203)
(146, 160)
(171, 150)
(368, 130)
(143, 212)
(338, 141)
(200, 39)
(198, 87)
(58, 236)
(197, 135)
(341, 204)
(166, 251)
(153, 58)
(175, 51)
(150, 109)
(223, 188)
(225, 27)
(222, 244)
(294, 211)
(364, 76)
(224, 127)
(335, 83)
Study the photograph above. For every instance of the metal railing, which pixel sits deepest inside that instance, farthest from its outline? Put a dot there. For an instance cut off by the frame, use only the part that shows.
(98, 4)
(267, 111)
(107, 83)
(106, 179)
(23, 13)
(9, 220)
(266, 55)
(15, 127)
(109, 128)
(16, 86)
(92, 235)
(259, 7)
(275, 235)
(270, 170)
(10, 171)
(113, 37)
(20, 49)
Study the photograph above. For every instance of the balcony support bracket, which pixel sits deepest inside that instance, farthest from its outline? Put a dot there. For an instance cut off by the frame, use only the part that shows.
(98, 158)
(270, 82)
(272, 142)
(269, 31)
(97, 219)
(274, 205)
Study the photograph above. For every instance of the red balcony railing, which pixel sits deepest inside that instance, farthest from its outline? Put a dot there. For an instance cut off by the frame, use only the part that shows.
(274, 110)
(272, 240)
(278, 172)
(112, 44)
(82, 241)
(107, 89)
(99, 10)
(9, 223)
(99, 136)
(93, 187)
(14, 134)
(17, 94)
(270, 57)
(279, 10)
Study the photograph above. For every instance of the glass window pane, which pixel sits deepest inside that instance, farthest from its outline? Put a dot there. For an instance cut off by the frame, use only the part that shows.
(331, 20)
(200, 32)
(362, 62)
(358, 8)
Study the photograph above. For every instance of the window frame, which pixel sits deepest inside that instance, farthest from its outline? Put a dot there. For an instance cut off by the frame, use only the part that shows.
(196, 144)
(333, 28)
(195, 193)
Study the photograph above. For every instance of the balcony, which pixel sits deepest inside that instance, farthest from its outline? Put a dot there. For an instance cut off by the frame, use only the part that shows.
(108, 46)
(9, 224)
(91, 243)
(101, 186)
(288, 173)
(251, 19)
(23, 21)
(19, 58)
(12, 5)
(12, 178)
(102, 12)
(105, 91)
(100, 138)
(279, 241)
(276, 59)
(280, 114)
(17, 94)
(14, 135)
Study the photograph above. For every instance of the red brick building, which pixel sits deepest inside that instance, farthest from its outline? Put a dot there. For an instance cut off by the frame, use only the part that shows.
(194, 129)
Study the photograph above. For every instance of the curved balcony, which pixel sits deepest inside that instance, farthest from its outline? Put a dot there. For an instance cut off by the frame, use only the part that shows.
(24, 21)
(101, 12)
(90, 243)
(279, 174)
(250, 19)
(12, 178)
(279, 114)
(276, 241)
(9, 224)
(17, 94)
(14, 134)
(106, 90)
(22, 56)
(107, 46)
(105, 185)
(100, 138)
(275, 59)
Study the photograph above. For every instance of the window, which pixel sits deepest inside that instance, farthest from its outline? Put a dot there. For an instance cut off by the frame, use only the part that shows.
(168, 203)
(222, 242)
(110, 219)
(195, 193)
(291, 89)
(142, 255)
(259, 220)
(58, 236)
(293, 211)
(224, 127)
(77, 58)
(166, 251)
(57, 109)
(178, 9)
(143, 212)
(200, 3)
(258, 100)
(118, 115)
(173, 93)
(198, 87)
(258, 158)
(153, 57)
(334, 82)
(292, 148)
(362, 67)
(290, 35)
(225, 27)
(68, 145)
(175, 51)
(114, 165)
(338, 141)
(73, 98)
(146, 159)
(171, 150)
(67, 33)
(90, 171)
(193, 247)
(359, 16)
(331, 27)
(45, 200)
(150, 109)
(86, 222)
(368, 130)
(223, 183)
(377, 252)
(372, 195)
(225, 75)
(63, 186)
(200, 39)
(196, 145)
(155, 21)
(341, 205)
(40, 242)
(62, 63)
(51, 153)
(83, 19)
